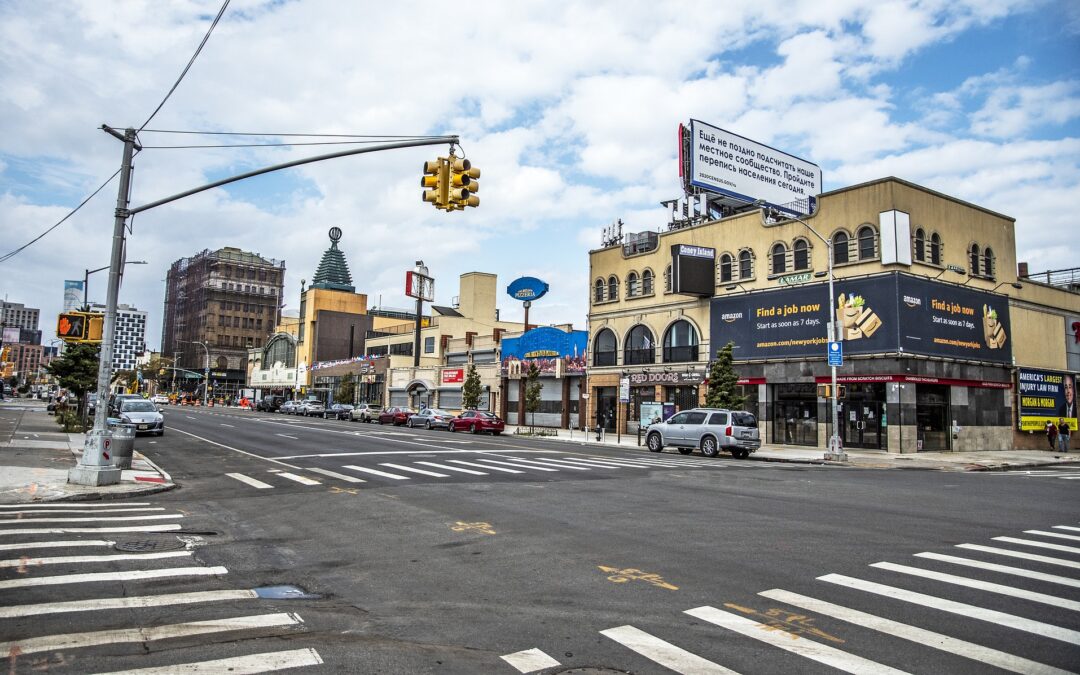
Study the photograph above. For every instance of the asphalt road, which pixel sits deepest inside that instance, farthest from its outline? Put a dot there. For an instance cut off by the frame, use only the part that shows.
(519, 555)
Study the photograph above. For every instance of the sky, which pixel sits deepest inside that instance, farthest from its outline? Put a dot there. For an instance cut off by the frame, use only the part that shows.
(570, 110)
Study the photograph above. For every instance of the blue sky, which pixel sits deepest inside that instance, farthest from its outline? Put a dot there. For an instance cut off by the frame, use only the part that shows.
(570, 109)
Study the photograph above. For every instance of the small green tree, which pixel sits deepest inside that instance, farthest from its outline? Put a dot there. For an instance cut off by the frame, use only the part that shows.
(77, 372)
(532, 394)
(724, 382)
(470, 389)
(346, 391)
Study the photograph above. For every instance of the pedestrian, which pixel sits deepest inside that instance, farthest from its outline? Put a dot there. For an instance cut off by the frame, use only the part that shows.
(1063, 434)
(1051, 434)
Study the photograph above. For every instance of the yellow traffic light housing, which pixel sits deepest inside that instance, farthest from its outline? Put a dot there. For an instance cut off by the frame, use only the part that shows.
(72, 327)
(436, 181)
(463, 184)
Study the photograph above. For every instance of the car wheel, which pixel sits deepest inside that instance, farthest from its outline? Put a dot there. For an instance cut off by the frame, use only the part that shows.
(408, 423)
(654, 443)
(495, 433)
(473, 429)
(450, 428)
(708, 447)
(685, 451)
(160, 433)
(427, 425)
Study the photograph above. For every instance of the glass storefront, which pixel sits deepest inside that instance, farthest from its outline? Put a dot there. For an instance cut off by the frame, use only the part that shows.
(606, 400)
(862, 416)
(794, 414)
(932, 416)
(684, 397)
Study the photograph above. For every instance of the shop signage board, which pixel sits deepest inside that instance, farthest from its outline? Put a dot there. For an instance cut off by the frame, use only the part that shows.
(527, 288)
(836, 354)
(453, 376)
(880, 314)
(1045, 396)
(624, 390)
(738, 167)
(693, 270)
(669, 378)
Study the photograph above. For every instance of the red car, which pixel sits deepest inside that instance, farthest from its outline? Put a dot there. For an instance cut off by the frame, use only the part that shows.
(396, 415)
(475, 421)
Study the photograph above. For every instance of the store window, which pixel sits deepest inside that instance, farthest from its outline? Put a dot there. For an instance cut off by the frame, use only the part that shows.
(680, 343)
(605, 348)
(640, 346)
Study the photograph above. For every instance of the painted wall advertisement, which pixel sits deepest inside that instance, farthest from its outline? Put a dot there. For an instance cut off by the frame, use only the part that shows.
(1045, 396)
(888, 313)
(554, 351)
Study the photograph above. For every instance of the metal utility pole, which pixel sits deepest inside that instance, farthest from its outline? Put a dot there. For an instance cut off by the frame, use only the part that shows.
(423, 271)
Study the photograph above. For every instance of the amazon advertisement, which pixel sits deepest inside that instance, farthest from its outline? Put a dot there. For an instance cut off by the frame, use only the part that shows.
(1045, 396)
(888, 313)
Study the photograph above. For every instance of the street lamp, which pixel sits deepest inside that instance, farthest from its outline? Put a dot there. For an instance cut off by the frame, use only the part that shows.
(835, 451)
(206, 375)
(86, 279)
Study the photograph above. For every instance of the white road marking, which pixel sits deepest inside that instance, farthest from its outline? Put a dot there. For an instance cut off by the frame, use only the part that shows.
(664, 653)
(50, 643)
(1039, 544)
(135, 602)
(287, 436)
(402, 467)
(375, 472)
(102, 506)
(815, 651)
(1067, 527)
(1059, 535)
(339, 476)
(969, 611)
(1004, 569)
(250, 481)
(483, 466)
(169, 516)
(91, 530)
(1024, 556)
(520, 466)
(38, 510)
(227, 425)
(453, 468)
(56, 544)
(57, 560)
(555, 463)
(920, 636)
(530, 660)
(131, 575)
(605, 463)
(303, 480)
(237, 665)
(274, 460)
(981, 585)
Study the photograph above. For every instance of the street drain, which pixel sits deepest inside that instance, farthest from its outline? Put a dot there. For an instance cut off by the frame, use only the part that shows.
(148, 546)
(285, 593)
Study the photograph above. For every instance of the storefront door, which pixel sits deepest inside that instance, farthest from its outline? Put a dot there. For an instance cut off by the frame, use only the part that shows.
(606, 400)
(794, 414)
(932, 416)
(860, 424)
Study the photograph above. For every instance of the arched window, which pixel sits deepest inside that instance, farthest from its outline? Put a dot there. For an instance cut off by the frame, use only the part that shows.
(867, 248)
(778, 255)
(680, 343)
(746, 264)
(280, 349)
(598, 291)
(222, 363)
(613, 288)
(920, 245)
(667, 279)
(647, 282)
(604, 349)
(725, 268)
(840, 248)
(640, 346)
(988, 262)
(633, 287)
(935, 249)
(973, 260)
(801, 257)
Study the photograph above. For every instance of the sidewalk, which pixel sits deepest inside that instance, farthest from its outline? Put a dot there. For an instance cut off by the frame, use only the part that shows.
(35, 456)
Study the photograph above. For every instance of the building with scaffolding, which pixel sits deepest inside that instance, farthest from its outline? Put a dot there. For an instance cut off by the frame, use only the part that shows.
(219, 304)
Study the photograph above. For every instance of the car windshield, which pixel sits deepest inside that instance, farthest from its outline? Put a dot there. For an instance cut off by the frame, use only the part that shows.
(743, 419)
(486, 414)
(137, 406)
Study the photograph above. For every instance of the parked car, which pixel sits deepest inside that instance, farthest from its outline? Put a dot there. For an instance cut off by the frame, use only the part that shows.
(311, 408)
(143, 414)
(338, 411)
(116, 399)
(159, 399)
(396, 415)
(710, 429)
(365, 412)
(476, 421)
(430, 418)
(288, 408)
(269, 403)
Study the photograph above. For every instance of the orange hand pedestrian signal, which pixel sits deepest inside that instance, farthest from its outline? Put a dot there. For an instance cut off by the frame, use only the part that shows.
(71, 327)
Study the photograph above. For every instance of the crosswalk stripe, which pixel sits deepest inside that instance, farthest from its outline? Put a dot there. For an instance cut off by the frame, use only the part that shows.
(980, 585)
(1038, 544)
(576, 461)
(303, 480)
(250, 481)
(36, 510)
(553, 463)
(969, 611)
(452, 468)
(59, 560)
(131, 575)
(237, 665)
(1004, 569)
(91, 530)
(135, 602)
(617, 463)
(520, 466)
(56, 544)
(530, 660)
(423, 472)
(375, 472)
(1067, 527)
(920, 636)
(339, 476)
(483, 466)
(103, 506)
(167, 516)
(1020, 554)
(664, 653)
(1059, 535)
(815, 651)
(638, 461)
(48, 643)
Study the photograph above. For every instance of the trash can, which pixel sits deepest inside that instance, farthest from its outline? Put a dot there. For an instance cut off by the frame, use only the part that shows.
(121, 443)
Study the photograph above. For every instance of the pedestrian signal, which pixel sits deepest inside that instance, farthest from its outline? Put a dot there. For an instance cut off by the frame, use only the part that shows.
(72, 327)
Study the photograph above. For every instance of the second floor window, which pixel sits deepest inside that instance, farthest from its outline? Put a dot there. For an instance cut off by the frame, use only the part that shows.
(778, 256)
(725, 268)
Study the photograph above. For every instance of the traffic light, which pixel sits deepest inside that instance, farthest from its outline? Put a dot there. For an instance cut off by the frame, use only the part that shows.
(463, 184)
(72, 327)
(825, 391)
(436, 180)
(95, 323)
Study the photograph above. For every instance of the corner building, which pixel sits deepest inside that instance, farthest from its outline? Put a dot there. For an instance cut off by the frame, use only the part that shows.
(936, 321)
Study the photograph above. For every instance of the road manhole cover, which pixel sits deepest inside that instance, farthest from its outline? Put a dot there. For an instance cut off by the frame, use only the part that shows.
(149, 546)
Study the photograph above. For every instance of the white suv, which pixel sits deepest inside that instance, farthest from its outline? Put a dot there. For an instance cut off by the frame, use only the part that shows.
(710, 429)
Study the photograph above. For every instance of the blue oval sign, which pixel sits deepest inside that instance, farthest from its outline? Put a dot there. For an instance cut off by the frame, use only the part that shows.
(527, 288)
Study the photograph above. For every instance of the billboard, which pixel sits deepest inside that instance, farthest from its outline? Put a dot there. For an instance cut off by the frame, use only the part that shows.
(889, 313)
(547, 347)
(729, 164)
(1045, 396)
(693, 270)
(73, 291)
(1072, 342)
